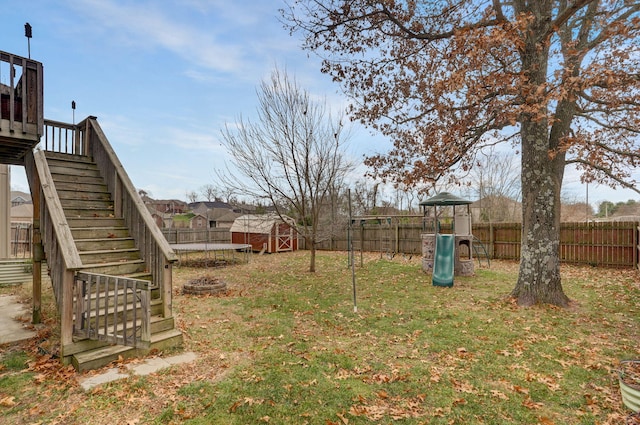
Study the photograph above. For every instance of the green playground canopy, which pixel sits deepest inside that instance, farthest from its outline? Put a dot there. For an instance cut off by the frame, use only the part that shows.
(444, 198)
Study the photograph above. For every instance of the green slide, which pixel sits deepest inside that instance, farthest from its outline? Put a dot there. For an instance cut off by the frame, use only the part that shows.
(443, 261)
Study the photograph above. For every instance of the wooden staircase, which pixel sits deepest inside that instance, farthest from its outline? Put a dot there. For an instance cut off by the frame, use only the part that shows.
(109, 264)
(105, 247)
(103, 241)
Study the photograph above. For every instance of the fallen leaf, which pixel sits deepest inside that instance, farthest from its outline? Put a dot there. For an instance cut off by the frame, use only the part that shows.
(344, 420)
(530, 404)
(499, 394)
(8, 401)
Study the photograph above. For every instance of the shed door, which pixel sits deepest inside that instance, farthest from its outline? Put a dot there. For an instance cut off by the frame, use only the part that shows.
(284, 238)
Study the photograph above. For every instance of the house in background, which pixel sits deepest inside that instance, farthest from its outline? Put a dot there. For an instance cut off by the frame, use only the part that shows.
(165, 206)
(219, 214)
(163, 220)
(20, 198)
(198, 221)
(267, 233)
(22, 213)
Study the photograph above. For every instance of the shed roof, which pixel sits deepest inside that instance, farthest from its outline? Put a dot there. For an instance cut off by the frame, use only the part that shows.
(252, 223)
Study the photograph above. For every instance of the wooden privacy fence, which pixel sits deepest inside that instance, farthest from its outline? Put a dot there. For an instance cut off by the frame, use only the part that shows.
(215, 235)
(21, 238)
(608, 244)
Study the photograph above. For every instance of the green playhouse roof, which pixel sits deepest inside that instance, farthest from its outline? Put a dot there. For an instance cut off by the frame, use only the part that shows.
(445, 198)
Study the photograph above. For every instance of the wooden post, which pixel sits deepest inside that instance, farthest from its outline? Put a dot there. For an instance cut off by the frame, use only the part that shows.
(397, 239)
(37, 250)
(5, 211)
(37, 255)
(166, 290)
(66, 311)
(492, 251)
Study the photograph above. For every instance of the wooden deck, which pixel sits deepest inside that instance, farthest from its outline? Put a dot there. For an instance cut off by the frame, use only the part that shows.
(21, 107)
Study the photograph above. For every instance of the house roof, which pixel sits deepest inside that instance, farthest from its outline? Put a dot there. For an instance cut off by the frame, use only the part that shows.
(209, 205)
(18, 194)
(22, 212)
(251, 223)
(494, 200)
(223, 216)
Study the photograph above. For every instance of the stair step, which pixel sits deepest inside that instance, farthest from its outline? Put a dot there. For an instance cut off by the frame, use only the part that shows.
(99, 357)
(90, 233)
(171, 338)
(50, 155)
(109, 256)
(141, 276)
(82, 184)
(104, 244)
(59, 169)
(71, 203)
(120, 268)
(71, 161)
(107, 315)
(88, 212)
(77, 222)
(84, 196)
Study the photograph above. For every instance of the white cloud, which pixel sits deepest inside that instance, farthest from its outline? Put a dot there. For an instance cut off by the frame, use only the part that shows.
(144, 26)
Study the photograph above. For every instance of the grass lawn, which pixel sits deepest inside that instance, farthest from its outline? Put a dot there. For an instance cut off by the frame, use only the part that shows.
(283, 346)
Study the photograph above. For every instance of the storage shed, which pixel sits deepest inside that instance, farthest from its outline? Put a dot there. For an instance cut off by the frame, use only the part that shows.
(268, 233)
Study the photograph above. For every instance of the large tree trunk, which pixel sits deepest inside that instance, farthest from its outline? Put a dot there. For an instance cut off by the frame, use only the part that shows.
(542, 172)
(539, 277)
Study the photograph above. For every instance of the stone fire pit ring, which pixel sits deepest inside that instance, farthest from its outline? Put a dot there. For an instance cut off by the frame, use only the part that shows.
(206, 285)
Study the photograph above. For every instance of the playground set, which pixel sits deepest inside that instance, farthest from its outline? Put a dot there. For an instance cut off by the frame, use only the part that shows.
(447, 244)
(444, 254)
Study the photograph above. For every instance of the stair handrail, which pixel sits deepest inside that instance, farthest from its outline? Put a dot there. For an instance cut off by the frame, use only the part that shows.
(59, 223)
(128, 187)
(61, 253)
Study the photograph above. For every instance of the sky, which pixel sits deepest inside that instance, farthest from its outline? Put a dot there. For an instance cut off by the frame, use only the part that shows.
(165, 76)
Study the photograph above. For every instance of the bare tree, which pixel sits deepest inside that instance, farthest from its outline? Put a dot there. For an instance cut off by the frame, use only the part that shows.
(495, 179)
(291, 157)
(364, 197)
(192, 196)
(209, 191)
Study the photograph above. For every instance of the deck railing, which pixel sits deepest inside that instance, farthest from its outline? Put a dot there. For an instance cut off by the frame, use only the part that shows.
(113, 309)
(21, 107)
(21, 98)
(63, 138)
